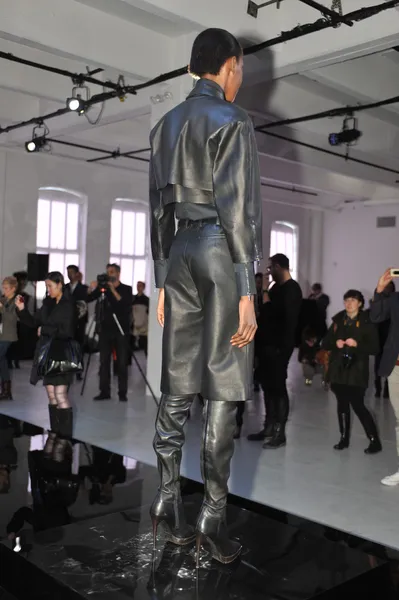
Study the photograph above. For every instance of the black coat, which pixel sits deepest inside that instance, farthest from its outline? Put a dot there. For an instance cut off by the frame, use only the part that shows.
(57, 321)
(384, 308)
(366, 335)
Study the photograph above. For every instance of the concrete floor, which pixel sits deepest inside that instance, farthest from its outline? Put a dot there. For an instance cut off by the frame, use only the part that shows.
(306, 478)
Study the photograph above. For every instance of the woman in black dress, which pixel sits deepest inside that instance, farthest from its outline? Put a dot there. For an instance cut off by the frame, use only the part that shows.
(351, 340)
(55, 320)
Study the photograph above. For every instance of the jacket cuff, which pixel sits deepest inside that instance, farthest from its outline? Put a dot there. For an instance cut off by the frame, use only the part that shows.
(245, 278)
(160, 272)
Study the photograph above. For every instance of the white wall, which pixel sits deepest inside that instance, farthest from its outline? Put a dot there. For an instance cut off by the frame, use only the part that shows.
(21, 176)
(356, 252)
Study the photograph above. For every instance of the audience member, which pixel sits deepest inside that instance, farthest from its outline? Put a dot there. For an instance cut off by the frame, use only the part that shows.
(307, 355)
(386, 308)
(8, 332)
(276, 338)
(114, 322)
(141, 304)
(351, 339)
(383, 331)
(77, 292)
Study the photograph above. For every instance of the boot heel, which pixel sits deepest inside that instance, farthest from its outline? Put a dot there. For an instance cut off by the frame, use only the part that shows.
(155, 524)
(198, 544)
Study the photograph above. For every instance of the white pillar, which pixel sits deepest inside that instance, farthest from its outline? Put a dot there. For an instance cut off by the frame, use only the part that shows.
(168, 97)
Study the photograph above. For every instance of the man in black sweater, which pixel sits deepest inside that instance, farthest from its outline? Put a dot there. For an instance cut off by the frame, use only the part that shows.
(277, 324)
(117, 301)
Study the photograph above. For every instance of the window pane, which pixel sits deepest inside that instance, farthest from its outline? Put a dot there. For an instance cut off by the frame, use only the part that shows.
(139, 272)
(58, 217)
(72, 226)
(56, 262)
(70, 259)
(40, 292)
(128, 232)
(127, 271)
(115, 259)
(116, 231)
(140, 234)
(43, 224)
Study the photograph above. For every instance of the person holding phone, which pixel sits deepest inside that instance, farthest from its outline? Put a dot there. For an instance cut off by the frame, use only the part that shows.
(351, 340)
(55, 321)
(386, 308)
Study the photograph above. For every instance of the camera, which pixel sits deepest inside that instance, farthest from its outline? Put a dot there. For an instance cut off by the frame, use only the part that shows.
(103, 279)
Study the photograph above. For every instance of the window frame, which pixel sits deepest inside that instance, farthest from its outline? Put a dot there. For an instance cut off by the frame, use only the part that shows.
(135, 206)
(287, 227)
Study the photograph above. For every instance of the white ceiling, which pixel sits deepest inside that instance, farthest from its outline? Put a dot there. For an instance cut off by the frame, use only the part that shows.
(26, 92)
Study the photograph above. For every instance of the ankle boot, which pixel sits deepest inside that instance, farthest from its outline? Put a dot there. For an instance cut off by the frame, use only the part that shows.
(278, 440)
(216, 453)
(53, 416)
(344, 428)
(374, 446)
(65, 422)
(167, 509)
(6, 390)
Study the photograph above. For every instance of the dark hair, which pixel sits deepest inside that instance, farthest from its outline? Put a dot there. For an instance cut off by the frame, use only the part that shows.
(55, 277)
(20, 275)
(115, 266)
(259, 276)
(280, 260)
(211, 49)
(356, 295)
(73, 267)
(142, 283)
(317, 286)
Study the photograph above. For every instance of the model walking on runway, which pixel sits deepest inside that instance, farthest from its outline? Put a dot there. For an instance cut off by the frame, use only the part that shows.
(204, 172)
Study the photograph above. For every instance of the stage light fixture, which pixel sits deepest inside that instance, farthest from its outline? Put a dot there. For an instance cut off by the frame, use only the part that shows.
(39, 140)
(79, 100)
(348, 135)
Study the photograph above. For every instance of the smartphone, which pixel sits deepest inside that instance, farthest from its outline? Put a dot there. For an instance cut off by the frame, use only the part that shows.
(394, 272)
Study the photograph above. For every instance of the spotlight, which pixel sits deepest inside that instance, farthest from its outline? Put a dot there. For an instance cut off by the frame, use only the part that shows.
(347, 136)
(76, 104)
(35, 144)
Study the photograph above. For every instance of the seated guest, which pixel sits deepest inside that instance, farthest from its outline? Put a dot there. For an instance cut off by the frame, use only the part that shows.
(307, 355)
(351, 339)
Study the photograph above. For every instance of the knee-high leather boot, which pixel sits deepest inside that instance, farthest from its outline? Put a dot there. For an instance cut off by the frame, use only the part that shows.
(216, 453)
(167, 507)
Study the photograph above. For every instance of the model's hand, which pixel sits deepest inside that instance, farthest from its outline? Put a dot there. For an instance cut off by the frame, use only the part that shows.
(39, 332)
(340, 344)
(383, 281)
(247, 327)
(351, 343)
(161, 307)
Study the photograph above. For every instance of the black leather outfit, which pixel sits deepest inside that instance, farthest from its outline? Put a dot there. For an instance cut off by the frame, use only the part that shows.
(204, 172)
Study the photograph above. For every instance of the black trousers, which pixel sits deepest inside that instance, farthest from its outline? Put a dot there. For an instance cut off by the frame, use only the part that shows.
(274, 373)
(120, 344)
(352, 396)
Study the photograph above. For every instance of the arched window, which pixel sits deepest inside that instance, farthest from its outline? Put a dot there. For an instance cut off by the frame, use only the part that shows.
(129, 222)
(284, 240)
(60, 229)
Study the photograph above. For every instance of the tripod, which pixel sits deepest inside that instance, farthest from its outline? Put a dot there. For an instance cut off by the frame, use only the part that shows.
(97, 320)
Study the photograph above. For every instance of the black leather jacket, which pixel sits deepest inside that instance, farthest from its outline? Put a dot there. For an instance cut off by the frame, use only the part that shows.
(204, 152)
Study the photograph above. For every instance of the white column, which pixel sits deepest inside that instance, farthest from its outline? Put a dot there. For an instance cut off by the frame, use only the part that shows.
(168, 97)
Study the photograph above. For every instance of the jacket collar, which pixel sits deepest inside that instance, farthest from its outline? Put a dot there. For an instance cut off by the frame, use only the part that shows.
(207, 87)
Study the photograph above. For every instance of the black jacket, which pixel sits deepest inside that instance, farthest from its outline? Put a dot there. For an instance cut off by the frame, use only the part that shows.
(204, 152)
(355, 370)
(56, 321)
(121, 308)
(384, 308)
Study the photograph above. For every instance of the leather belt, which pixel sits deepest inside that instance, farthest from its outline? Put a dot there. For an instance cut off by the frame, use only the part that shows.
(188, 223)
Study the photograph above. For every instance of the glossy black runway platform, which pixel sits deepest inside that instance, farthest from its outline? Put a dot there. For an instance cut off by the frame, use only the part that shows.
(74, 524)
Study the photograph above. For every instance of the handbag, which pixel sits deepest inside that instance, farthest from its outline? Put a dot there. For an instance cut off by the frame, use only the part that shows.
(70, 362)
(42, 358)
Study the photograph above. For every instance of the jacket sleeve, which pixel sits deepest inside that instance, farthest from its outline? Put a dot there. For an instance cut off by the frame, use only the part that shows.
(329, 342)
(162, 226)
(380, 308)
(28, 319)
(236, 188)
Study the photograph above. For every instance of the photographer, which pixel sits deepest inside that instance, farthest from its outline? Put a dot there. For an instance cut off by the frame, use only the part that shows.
(117, 301)
(351, 339)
